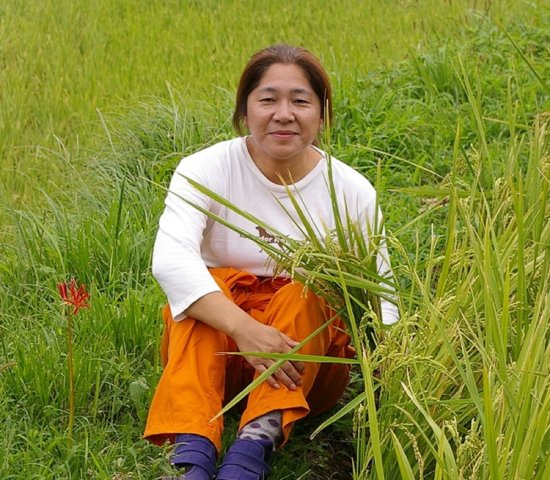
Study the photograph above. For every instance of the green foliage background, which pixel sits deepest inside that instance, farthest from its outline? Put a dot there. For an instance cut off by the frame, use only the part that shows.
(100, 99)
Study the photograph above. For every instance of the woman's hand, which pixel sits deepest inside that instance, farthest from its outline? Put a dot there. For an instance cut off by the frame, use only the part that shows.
(257, 337)
(217, 311)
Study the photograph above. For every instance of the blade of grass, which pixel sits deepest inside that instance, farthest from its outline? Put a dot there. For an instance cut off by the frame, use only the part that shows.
(404, 465)
(345, 410)
(295, 357)
(523, 57)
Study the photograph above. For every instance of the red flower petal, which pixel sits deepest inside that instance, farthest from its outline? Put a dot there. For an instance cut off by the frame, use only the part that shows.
(73, 295)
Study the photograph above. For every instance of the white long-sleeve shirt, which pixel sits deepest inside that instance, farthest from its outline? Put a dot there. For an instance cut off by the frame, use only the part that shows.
(188, 242)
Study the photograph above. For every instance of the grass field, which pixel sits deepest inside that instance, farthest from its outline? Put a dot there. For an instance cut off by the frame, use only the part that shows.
(443, 104)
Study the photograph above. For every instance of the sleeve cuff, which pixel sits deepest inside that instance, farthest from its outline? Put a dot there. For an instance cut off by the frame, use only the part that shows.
(178, 309)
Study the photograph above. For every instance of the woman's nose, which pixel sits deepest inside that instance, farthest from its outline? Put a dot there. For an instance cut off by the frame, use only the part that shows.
(283, 112)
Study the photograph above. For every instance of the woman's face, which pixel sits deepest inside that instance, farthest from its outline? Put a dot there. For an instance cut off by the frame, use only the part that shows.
(283, 115)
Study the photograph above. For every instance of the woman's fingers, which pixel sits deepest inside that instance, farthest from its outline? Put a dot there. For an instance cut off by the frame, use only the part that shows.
(286, 378)
(269, 339)
(291, 343)
(286, 374)
(290, 370)
(260, 368)
(299, 366)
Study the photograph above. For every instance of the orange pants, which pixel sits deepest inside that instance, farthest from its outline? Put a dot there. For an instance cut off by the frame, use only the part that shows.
(197, 379)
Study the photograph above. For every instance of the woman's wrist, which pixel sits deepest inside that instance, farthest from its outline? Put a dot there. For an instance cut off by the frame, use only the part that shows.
(239, 324)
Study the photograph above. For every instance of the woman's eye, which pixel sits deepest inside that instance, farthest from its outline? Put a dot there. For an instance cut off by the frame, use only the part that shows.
(301, 101)
(267, 100)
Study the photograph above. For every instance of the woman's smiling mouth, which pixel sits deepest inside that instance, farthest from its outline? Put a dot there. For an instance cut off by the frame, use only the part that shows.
(283, 133)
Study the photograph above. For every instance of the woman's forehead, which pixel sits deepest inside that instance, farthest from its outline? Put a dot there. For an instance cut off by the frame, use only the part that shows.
(274, 89)
(281, 76)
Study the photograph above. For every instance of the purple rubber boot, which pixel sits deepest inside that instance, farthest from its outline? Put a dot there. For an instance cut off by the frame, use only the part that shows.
(197, 455)
(246, 460)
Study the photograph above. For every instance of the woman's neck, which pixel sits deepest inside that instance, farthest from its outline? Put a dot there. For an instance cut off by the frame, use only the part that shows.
(284, 171)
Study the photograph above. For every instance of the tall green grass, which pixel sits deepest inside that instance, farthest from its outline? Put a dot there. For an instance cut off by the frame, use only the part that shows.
(469, 397)
(61, 61)
(456, 138)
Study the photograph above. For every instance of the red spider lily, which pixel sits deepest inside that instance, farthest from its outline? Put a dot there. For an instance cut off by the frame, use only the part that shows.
(73, 296)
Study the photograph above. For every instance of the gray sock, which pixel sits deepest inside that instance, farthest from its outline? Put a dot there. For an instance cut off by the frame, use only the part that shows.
(266, 427)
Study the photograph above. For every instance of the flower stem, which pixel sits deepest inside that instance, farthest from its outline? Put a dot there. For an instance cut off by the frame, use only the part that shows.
(71, 373)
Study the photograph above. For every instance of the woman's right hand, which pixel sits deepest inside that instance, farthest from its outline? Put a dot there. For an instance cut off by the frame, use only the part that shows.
(257, 337)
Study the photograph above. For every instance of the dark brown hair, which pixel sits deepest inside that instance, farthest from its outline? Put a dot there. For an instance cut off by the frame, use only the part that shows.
(286, 55)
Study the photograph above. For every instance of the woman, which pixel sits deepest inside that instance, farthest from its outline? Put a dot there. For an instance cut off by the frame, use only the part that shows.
(222, 295)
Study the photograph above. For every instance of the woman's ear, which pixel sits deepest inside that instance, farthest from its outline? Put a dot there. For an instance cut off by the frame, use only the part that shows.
(245, 122)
